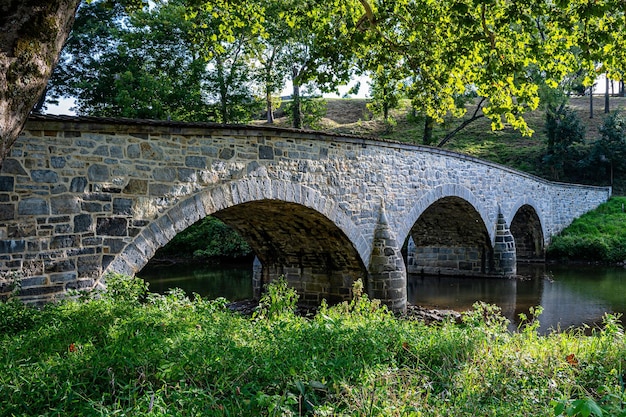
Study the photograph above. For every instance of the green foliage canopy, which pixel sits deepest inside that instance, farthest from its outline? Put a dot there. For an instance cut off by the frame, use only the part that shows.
(449, 49)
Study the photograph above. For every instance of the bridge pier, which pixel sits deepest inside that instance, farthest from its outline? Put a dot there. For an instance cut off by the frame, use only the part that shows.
(505, 259)
(387, 273)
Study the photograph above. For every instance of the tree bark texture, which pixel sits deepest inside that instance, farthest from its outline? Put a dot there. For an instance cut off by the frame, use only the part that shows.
(32, 34)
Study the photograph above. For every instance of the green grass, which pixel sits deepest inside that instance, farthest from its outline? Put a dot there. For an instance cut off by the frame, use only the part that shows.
(126, 353)
(599, 235)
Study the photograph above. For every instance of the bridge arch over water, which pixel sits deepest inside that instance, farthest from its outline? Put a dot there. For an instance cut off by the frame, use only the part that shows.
(293, 230)
(82, 196)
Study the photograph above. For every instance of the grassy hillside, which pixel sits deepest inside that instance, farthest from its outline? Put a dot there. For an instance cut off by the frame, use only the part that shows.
(598, 236)
(507, 147)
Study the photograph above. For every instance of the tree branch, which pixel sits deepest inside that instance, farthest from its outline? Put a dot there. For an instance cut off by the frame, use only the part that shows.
(465, 123)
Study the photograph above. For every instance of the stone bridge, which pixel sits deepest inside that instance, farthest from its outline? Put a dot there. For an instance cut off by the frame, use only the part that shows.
(80, 197)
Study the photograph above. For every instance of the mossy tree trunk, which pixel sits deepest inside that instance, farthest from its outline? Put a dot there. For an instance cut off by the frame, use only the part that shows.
(32, 34)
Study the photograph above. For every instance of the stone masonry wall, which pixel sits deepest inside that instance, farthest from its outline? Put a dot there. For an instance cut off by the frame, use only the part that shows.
(79, 196)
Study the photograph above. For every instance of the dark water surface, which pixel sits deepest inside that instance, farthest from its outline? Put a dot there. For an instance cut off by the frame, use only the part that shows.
(233, 282)
(570, 295)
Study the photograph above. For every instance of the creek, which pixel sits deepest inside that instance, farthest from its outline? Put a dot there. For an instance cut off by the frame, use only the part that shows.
(571, 295)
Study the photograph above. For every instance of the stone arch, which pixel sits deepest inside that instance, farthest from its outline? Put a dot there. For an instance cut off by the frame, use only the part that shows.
(222, 199)
(527, 229)
(442, 191)
(528, 201)
(450, 238)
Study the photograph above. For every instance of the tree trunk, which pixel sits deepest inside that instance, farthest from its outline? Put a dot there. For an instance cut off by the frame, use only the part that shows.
(270, 106)
(591, 102)
(385, 105)
(606, 96)
(223, 90)
(32, 34)
(429, 123)
(296, 108)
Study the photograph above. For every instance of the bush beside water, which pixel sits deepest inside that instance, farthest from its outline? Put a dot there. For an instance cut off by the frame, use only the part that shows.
(129, 352)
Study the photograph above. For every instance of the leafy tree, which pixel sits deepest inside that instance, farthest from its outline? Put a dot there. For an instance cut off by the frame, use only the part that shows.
(608, 155)
(450, 48)
(313, 110)
(564, 129)
(270, 55)
(225, 33)
(320, 45)
(384, 93)
(140, 64)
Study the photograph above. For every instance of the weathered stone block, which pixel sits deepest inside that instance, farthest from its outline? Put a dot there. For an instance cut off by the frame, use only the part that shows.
(63, 277)
(187, 175)
(7, 183)
(44, 175)
(227, 153)
(111, 226)
(33, 281)
(196, 162)
(33, 207)
(102, 150)
(82, 223)
(167, 174)
(133, 151)
(122, 206)
(80, 284)
(266, 152)
(64, 241)
(151, 151)
(135, 186)
(7, 212)
(41, 291)
(114, 245)
(60, 265)
(78, 185)
(57, 162)
(13, 166)
(98, 173)
(64, 205)
(87, 265)
(12, 246)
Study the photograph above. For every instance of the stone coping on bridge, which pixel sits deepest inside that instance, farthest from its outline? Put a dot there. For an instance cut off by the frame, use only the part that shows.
(47, 122)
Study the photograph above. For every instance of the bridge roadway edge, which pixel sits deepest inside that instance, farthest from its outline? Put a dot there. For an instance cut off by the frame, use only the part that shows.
(46, 219)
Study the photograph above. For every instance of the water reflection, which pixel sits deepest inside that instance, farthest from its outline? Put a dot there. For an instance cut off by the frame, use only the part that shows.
(569, 295)
(233, 282)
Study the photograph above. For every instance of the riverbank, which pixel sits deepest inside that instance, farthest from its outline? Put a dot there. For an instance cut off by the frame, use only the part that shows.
(597, 236)
(131, 353)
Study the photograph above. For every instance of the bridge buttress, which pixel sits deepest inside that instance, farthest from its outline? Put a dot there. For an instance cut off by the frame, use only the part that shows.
(387, 273)
(505, 258)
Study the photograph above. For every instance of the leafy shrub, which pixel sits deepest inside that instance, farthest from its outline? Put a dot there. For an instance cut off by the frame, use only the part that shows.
(278, 300)
(124, 289)
(578, 248)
